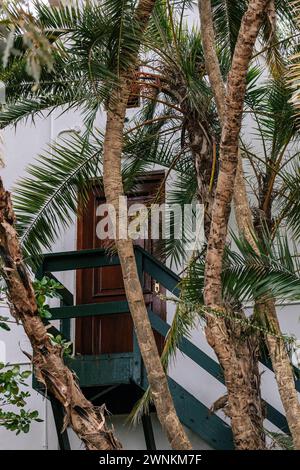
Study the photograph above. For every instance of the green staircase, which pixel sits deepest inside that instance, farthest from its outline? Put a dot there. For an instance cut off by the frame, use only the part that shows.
(110, 376)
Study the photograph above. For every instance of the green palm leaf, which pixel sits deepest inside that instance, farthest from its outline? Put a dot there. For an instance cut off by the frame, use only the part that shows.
(272, 272)
(46, 201)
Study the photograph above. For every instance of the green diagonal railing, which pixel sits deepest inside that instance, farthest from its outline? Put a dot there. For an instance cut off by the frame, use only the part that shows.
(214, 430)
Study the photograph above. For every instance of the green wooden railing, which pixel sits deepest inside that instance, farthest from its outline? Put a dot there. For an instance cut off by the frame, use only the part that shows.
(128, 367)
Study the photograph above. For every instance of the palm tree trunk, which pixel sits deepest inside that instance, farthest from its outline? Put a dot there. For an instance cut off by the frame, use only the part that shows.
(282, 368)
(87, 421)
(113, 187)
(202, 152)
(241, 204)
(238, 350)
(247, 427)
(200, 144)
(229, 148)
(278, 354)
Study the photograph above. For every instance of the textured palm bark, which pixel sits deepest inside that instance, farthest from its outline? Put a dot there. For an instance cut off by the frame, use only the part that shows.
(198, 140)
(113, 187)
(242, 210)
(210, 56)
(277, 349)
(202, 153)
(238, 357)
(282, 368)
(229, 148)
(87, 421)
(241, 204)
(238, 352)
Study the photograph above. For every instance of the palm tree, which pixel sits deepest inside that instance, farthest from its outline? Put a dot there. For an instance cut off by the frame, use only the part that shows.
(113, 188)
(123, 56)
(278, 136)
(241, 393)
(281, 138)
(279, 357)
(177, 127)
(88, 422)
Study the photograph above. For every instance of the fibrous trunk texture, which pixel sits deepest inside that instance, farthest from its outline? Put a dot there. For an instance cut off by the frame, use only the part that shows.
(87, 421)
(241, 204)
(202, 150)
(238, 352)
(282, 368)
(113, 187)
(229, 148)
(244, 399)
(199, 141)
(265, 310)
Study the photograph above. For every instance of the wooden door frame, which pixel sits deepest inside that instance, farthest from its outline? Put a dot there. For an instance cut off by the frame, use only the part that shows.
(151, 177)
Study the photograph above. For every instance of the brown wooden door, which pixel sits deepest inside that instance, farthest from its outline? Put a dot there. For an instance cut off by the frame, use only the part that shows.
(112, 333)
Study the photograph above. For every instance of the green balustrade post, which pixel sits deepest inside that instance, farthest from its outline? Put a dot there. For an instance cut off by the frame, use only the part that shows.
(137, 358)
(58, 413)
(65, 325)
(148, 432)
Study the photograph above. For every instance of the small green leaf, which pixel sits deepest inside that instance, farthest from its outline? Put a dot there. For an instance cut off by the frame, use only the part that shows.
(16, 370)
(41, 299)
(4, 326)
(47, 314)
(26, 374)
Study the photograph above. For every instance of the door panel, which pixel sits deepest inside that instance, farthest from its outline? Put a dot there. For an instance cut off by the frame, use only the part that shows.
(112, 333)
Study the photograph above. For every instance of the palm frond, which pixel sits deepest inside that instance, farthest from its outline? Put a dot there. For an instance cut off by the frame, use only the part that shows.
(289, 199)
(46, 200)
(294, 72)
(86, 57)
(227, 19)
(184, 321)
(65, 18)
(279, 25)
(274, 115)
(270, 272)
